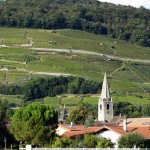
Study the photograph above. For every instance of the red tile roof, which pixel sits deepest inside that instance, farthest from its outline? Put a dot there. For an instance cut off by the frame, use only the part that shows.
(145, 131)
(76, 130)
(92, 130)
(71, 134)
(137, 122)
(73, 127)
(119, 129)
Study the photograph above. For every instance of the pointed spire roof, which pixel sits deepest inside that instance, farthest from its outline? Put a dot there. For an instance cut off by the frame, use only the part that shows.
(105, 89)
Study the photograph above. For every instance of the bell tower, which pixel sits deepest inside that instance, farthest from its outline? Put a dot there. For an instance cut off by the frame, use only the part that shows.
(105, 104)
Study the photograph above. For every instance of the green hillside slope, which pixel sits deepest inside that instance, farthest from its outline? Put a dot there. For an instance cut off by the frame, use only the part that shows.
(20, 61)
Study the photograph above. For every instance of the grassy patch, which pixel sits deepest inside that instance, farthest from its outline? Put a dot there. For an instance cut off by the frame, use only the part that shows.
(91, 100)
(134, 99)
(12, 99)
(70, 101)
(54, 101)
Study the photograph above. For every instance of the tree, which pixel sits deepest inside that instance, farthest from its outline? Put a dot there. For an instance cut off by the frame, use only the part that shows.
(104, 143)
(128, 109)
(2, 111)
(4, 131)
(130, 140)
(90, 141)
(146, 110)
(34, 123)
(41, 87)
(78, 115)
(62, 142)
(89, 122)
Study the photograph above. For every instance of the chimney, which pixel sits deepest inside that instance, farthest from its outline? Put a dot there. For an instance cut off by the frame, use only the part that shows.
(120, 115)
(125, 124)
(71, 124)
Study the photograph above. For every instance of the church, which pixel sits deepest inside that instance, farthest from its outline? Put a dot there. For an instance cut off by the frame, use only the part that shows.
(105, 104)
(106, 125)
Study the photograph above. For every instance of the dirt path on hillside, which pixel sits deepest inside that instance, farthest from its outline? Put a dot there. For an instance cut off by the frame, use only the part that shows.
(45, 73)
(52, 73)
(13, 61)
(105, 56)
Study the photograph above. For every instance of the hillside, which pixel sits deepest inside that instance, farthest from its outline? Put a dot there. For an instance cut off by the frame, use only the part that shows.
(66, 52)
(115, 21)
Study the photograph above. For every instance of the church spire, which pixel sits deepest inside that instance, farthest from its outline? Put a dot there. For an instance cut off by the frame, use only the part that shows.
(105, 89)
(105, 104)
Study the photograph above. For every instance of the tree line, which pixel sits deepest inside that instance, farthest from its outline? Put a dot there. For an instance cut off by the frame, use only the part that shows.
(42, 87)
(86, 113)
(115, 21)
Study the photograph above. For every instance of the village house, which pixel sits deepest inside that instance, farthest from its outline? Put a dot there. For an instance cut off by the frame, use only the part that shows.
(110, 132)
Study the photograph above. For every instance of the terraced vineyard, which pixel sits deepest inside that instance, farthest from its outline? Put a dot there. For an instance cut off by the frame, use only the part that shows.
(19, 62)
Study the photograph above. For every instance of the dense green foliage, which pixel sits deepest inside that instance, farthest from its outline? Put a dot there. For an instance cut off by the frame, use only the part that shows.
(61, 142)
(131, 110)
(43, 87)
(83, 113)
(122, 22)
(34, 123)
(131, 140)
(11, 89)
(2, 111)
(104, 143)
(4, 131)
(88, 141)
(5, 134)
(78, 115)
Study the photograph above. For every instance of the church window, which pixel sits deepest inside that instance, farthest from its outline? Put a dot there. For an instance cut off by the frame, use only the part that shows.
(100, 107)
(107, 106)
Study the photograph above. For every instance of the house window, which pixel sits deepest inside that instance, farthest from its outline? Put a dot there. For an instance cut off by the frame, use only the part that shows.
(107, 106)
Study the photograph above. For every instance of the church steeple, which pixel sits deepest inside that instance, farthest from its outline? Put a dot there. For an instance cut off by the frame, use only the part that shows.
(105, 104)
(105, 89)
